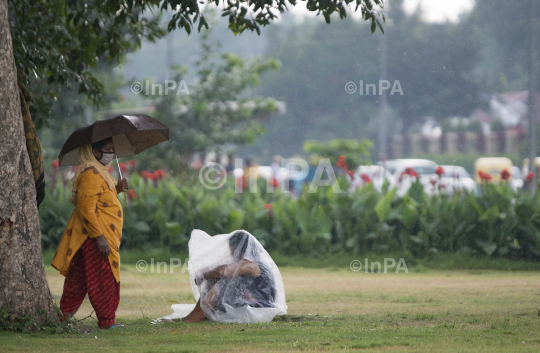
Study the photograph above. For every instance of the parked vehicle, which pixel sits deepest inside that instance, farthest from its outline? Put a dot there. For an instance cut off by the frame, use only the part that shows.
(492, 167)
(374, 174)
(421, 169)
(517, 178)
(424, 170)
(456, 178)
(390, 165)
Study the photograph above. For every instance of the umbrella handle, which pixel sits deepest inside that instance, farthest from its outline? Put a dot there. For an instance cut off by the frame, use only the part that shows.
(121, 177)
(118, 165)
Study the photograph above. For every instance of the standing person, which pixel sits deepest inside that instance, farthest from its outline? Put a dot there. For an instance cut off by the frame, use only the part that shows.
(88, 251)
(251, 170)
(276, 169)
(230, 163)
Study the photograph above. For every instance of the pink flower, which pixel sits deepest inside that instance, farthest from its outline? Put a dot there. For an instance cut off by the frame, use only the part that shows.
(55, 164)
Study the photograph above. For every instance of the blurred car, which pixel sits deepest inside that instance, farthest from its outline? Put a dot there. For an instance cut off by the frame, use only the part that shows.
(492, 168)
(517, 178)
(457, 178)
(372, 174)
(424, 171)
(389, 165)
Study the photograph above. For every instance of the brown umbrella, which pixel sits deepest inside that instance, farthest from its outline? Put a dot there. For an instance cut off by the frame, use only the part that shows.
(131, 134)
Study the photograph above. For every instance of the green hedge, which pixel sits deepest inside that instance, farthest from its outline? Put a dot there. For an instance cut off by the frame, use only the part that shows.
(498, 222)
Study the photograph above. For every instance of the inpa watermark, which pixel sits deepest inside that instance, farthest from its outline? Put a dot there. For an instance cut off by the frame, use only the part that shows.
(157, 89)
(377, 267)
(213, 176)
(372, 89)
(163, 266)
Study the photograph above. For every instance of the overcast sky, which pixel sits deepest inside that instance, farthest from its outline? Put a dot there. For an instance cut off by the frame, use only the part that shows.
(440, 10)
(433, 10)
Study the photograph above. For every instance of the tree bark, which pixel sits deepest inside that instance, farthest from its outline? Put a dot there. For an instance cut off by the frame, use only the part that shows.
(23, 283)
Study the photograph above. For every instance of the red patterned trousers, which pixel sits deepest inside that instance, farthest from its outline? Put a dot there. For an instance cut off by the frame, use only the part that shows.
(90, 273)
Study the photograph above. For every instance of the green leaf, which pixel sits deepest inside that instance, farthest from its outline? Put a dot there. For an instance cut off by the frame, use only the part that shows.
(384, 206)
(487, 247)
(490, 214)
(142, 227)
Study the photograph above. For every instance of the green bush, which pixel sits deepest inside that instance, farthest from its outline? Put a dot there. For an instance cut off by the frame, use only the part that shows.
(497, 222)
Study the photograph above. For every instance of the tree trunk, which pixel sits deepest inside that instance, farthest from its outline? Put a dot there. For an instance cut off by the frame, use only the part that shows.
(23, 284)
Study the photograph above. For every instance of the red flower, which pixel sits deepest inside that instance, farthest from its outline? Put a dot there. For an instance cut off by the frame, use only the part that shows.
(158, 174)
(341, 162)
(505, 174)
(147, 175)
(350, 172)
(439, 171)
(110, 169)
(241, 182)
(274, 183)
(365, 178)
(131, 195)
(55, 164)
(131, 163)
(530, 177)
(123, 167)
(433, 181)
(268, 208)
(484, 176)
(410, 172)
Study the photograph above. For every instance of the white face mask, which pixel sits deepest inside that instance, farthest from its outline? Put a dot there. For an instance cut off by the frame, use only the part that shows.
(106, 157)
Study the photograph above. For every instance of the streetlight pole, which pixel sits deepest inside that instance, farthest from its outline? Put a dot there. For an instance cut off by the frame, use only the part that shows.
(383, 108)
(532, 91)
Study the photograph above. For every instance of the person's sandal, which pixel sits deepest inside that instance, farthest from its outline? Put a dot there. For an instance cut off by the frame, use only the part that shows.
(114, 326)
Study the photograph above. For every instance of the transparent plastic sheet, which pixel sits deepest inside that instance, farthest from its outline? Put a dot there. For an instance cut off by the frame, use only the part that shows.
(235, 278)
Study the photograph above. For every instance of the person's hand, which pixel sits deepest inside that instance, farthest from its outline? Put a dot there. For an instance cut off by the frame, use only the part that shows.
(103, 246)
(122, 185)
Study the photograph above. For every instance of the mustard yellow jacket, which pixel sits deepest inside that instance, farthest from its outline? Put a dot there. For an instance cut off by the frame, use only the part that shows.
(98, 211)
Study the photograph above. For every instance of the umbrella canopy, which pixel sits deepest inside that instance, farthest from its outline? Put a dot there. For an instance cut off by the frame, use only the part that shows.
(131, 134)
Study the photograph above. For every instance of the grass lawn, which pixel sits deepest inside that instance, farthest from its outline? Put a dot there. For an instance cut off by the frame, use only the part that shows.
(329, 310)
